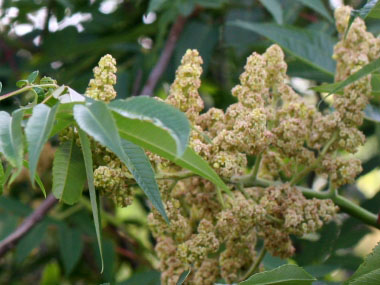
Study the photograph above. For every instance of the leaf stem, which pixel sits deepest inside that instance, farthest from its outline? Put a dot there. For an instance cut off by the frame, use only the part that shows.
(314, 165)
(255, 265)
(24, 89)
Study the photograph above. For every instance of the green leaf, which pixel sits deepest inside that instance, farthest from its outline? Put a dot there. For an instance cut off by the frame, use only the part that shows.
(37, 178)
(142, 171)
(150, 277)
(63, 118)
(87, 156)
(365, 70)
(51, 274)
(22, 83)
(32, 77)
(68, 173)
(37, 133)
(285, 274)
(11, 141)
(183, 277)
(158, 113)
(312, 47)
(375, 11)
(375, 83)
(274, 7)
(30, 241)
(371, 10)
(371, 278)
(319, 7)
(1, 86)
(2, 177)
(155, 5)
(97, 121)
(158, 141)
(70, 247)
(369, 268)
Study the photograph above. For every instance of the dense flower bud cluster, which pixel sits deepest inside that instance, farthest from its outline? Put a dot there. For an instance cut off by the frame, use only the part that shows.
(101, 86)
(287, 135)
(184, 91)
(111, 177)
(215, 234)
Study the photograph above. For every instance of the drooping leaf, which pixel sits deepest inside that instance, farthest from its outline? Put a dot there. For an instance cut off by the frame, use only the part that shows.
(312, 47)
(96, 120)
(37, 133)
(285, 274)
(87, 156)
(142, 171)
(70, 247)
(274, 7)
(368, 269)
(160, 114)
(32, 77)
(158, 141)
(317, 6)
(1, 86)
(68, 172)
(37, 178)
(11, 137)
(183, 277)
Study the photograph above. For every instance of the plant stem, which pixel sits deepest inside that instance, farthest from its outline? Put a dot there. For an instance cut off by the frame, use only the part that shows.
(255, 265)
(69, 211)
(314, 165)
(175, 175)
(26, 88)
(46, 99)
(256, 167)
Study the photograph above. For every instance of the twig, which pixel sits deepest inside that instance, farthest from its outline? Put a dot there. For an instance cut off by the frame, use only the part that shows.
(255, 265)
(10, 242)
(165, 56)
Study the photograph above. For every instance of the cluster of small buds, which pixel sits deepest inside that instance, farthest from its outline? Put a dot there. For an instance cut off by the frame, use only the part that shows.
(184, 90)
(171, 266)
(207, 272)
(101, 87)
(342, 170)
(298, 215)
(241, 216)
(112, 182)
(200, 245)
(277, 242)
(357, 49)
(239, 253)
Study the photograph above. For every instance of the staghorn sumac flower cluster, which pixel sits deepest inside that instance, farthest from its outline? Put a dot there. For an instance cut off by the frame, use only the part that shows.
(216, 235)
